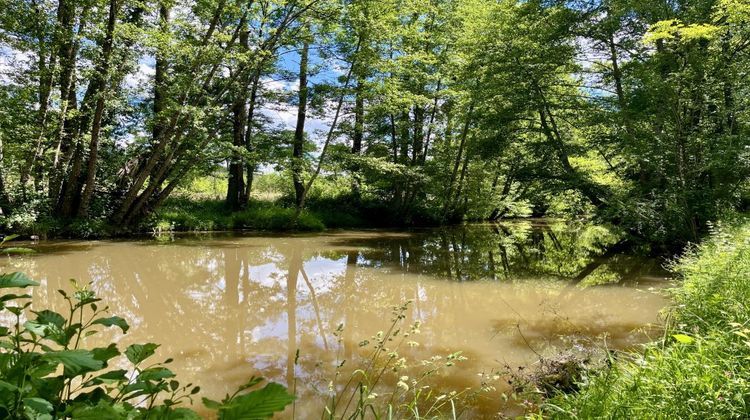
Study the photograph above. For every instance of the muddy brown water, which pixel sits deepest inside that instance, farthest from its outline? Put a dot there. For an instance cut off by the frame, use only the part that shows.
(226, 307)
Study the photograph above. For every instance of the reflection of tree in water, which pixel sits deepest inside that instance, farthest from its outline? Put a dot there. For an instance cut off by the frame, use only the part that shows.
(227, 308)
(510, 251)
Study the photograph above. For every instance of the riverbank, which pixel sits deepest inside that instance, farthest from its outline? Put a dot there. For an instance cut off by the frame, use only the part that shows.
(188, 214)
(699, 368)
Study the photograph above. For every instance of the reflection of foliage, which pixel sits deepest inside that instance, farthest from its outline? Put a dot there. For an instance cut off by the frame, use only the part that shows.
(513, 251)
(46, 373)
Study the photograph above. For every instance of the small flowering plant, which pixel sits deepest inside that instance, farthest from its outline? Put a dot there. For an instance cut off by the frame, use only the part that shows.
(387, 386)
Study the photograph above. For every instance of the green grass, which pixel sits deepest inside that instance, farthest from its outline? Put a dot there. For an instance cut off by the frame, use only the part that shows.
(701, 367)
(205, 215)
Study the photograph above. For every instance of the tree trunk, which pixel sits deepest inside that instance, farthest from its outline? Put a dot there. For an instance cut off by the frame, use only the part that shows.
(616, 73)
(47, 52)
(359, 124)
(457, 162)
(160, 127)
(4, 199)
(102, 76)
(299, 132)
(251, 165)
(549, 127)
(67, 56)
(236, 183)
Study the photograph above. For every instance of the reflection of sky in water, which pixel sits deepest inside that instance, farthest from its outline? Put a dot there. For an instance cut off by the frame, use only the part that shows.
(222, 306)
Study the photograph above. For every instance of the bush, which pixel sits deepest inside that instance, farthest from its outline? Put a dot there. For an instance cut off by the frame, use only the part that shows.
(699, 369)
(46, 374)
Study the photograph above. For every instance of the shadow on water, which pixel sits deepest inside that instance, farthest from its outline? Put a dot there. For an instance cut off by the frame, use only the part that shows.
(230, 306)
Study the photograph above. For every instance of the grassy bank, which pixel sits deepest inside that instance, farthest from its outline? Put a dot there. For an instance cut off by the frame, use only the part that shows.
(207, 215)
(700, 368)
(189, 214)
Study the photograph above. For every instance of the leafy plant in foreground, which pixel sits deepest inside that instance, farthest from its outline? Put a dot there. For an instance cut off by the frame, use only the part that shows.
(46, 374)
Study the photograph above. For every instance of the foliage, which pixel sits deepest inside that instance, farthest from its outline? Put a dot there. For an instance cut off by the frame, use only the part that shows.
(699, 368)
(207, 215)
(631, 112)
(45, 372)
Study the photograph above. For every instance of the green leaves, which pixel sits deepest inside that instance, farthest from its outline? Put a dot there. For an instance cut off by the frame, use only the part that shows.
(29, 361)
(259, 404)
(682, 338)
(16, 280)
(155, 374)
(75, 362)
(674, 29)
(104, 354)
(137, 353)
(37, 408)
(113, 321)
(47, 317)
(15, 250)
(102, 410)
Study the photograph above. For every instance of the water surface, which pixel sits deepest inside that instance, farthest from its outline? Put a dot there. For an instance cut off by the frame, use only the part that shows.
(227, 307)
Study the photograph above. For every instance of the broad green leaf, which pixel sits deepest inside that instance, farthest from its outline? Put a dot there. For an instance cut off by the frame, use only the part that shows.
(104, 354)
(5, 386)
(137, 353)
(76, 362)
(183, 413)
(155, 374)
(5, 298)
(109, 377)
(9, 238)
(38, 405)
(113, 321)
(17, 250)
(30, 414)
(211, 404)
(40, 370)
(259, 404)
(50, 317)
(100, 411)
(36, 328)
(16, 280)
(682, 338)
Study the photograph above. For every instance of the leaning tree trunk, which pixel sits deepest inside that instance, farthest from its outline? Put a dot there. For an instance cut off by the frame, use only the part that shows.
(102, 80)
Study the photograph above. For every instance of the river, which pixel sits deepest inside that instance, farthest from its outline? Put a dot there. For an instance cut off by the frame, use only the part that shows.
(229, 306)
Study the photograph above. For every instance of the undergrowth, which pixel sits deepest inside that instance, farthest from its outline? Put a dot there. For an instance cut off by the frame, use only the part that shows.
(699, 369)
(208, 215)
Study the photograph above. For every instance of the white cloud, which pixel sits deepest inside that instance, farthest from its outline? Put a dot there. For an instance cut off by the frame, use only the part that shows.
(142, 75)
(13, 62)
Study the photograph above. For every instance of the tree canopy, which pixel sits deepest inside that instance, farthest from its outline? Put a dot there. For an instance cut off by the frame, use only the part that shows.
(436, 111)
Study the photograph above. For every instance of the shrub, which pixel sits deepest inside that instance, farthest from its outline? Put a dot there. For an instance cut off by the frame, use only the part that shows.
(46, 374)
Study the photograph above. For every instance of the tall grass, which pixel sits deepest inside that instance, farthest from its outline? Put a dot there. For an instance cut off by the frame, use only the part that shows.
(701, 366)
(204, 215)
